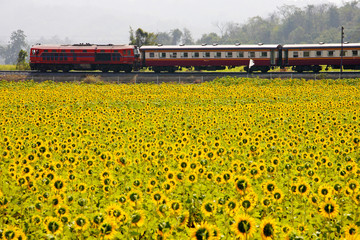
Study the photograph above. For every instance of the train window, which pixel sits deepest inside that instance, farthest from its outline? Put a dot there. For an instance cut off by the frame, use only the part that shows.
(129, 52)
(318, 53)
(306, 54)
(229, 54)
(264, 54)
(218, 54)
(124, 52)
(252, 54)
(295, 54)
(84, 51)
(151, 54)
(206, 54)
(163, 55)
(196, 54)
(174, 55)
(102, 50)
(240, 54)
(185, 55)
(343, 53)
(355, 52)
(330, 53)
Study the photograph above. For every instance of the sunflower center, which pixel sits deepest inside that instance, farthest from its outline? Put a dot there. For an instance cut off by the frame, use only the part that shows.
(329, 208)
(268, 230)
(241, 184)
(80, 222)
(53, 226)
(246, 204)
(244, 226)
(202, 234)
(106, 229)
(136, 218)
(302, 188)
(209, 207)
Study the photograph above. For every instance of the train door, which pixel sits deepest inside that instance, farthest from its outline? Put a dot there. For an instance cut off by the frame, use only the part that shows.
(272, 57)
(286, 57)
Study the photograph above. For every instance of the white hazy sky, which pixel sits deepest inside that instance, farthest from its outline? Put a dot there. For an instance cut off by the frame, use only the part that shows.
(108, 21)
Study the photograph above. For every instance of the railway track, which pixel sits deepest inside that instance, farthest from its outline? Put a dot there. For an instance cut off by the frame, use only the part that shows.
(182, 77)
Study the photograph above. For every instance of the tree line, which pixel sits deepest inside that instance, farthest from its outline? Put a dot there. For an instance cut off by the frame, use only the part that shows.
(289, 24)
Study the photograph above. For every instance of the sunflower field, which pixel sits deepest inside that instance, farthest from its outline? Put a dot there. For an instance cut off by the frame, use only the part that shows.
(235, 158)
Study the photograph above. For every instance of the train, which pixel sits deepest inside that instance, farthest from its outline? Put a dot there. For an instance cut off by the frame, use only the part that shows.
(211, 57)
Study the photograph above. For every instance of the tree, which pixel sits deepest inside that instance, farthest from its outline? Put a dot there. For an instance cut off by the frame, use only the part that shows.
(21, 61)
(187, 37)
(17, 43)
(142, 38)
(176, 36)
(163, 38)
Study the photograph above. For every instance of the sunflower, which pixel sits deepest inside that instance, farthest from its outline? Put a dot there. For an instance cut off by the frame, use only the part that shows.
(10, 232)
(107, 229)
(303, 188)
(278, 195)
(81, 223)
(157, 197)
(231, 206)
(269, 186)
(192, 178)
(314, 199)
(242, 184)
(351, 231)
(58, 184)
(353, 185)
(247, 204)
(175, 206)
(244, 226)
(137, 218)
(183, 218)
(325, 191)
(268, 229)
(208, 208)
(36, 219)
(202, 232)
(62, 210)
(135, 197)
(302, 228)
(53, 225)
(329, 209)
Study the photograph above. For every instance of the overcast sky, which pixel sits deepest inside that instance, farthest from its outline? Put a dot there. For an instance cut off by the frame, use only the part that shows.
(108, 21)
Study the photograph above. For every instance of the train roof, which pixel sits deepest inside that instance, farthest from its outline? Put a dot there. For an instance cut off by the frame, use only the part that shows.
(321, 45)
(82, 46)
(209, 47)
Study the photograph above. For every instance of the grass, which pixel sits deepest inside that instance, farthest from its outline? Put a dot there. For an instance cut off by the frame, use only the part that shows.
(7, 67)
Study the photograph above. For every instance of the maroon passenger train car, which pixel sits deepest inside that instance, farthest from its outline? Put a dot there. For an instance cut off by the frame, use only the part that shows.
(210, 57)
(84, 57)
(310, 57)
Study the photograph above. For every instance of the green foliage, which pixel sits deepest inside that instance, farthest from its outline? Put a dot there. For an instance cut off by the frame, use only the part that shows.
(140, 37)
(290, 24)
(21, 61)
(17, 42)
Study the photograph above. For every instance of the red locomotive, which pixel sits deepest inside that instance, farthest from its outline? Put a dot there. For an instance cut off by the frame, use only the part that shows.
(84, 57)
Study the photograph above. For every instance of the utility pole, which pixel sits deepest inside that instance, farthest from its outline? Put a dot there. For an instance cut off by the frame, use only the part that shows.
(342, 51)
